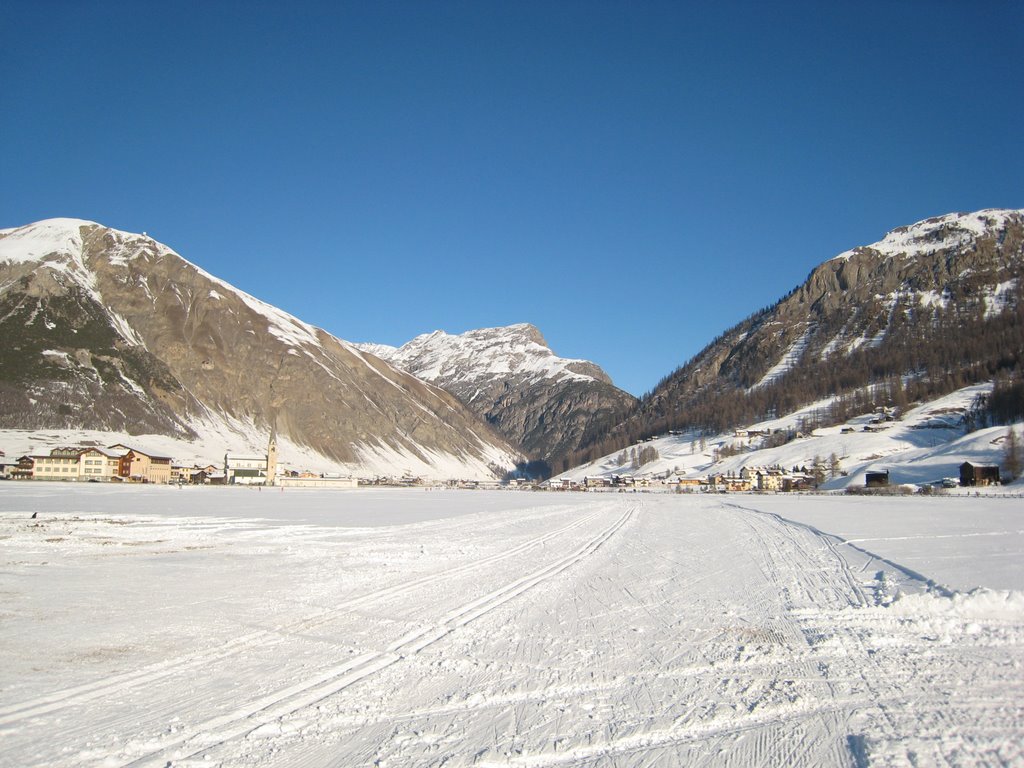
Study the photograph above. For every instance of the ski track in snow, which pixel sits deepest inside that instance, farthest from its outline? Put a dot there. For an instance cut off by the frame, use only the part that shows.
(611, 630)
(150, 675)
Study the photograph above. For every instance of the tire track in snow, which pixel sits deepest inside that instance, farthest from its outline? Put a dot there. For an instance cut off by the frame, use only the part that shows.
(148, 675)
(265, 710)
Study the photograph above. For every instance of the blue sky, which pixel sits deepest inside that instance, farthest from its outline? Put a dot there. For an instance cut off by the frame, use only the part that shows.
(633, 178)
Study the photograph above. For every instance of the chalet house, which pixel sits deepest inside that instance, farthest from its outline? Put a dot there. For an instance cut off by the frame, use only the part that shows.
(973, 475)
(198, 477)
(735, 483)
(716, 483)
(792, 483)
(683, 483)
(23, 470)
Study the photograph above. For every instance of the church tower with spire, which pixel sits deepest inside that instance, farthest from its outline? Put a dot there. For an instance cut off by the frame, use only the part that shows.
(272, 458)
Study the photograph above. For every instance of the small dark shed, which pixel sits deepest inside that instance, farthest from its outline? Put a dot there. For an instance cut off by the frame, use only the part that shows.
(977, 474)
(877, 479)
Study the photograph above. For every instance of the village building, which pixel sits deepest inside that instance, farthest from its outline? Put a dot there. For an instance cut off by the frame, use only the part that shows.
(209, 474)
(770, 480)
(716, 483)
(137, 466)
(245, 470)
(878, 479)
(793, 483)
(735, 483)
(99, 465)
(23, 469)
(974, 475)
(59, 464)
(252, 470)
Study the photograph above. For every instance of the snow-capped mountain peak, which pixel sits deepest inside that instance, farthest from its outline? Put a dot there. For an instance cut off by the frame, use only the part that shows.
(952, 230)
(480, 355)
(512, 379)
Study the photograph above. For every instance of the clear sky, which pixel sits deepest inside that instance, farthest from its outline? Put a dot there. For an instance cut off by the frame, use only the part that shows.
(631, 177)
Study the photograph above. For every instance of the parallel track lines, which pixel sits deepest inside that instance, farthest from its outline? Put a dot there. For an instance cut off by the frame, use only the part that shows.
(267, 709)
(150, 674)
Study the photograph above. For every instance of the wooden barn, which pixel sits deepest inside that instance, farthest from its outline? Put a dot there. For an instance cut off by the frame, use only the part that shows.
(877, 479)
(976, 474)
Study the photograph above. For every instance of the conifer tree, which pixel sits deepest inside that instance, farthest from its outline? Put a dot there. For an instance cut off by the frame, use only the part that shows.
(1012, 454)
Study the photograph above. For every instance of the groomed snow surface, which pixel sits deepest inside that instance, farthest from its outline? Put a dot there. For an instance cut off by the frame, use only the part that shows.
(236, 627)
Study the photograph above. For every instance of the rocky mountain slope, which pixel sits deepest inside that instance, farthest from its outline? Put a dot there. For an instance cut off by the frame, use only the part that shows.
(113, 331)
(543, 403)
(927, 308)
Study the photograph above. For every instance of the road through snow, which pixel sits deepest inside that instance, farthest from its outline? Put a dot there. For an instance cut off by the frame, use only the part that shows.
(583, 629)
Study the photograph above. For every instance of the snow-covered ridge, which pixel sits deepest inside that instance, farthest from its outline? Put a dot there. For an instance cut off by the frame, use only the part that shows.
(941, 232)
(37, 241)
(58, 244)
(133, 274)
(483, 354)
(383, 351)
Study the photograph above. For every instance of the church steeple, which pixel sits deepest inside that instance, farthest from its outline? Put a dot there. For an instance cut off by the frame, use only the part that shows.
(272, 458)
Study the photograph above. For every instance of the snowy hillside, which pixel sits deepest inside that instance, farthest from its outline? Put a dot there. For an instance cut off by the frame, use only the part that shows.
(117, 333)
(929, 308)
(925, 445)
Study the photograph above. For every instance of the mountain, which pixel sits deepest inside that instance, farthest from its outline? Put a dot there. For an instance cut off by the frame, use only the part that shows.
(545, 404)
(108, 330)
(928, 308)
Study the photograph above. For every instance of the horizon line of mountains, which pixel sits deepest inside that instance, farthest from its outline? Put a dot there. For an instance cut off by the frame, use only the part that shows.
(113, 331)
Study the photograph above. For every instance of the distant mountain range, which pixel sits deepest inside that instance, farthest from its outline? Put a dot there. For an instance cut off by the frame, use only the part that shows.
(112, 331)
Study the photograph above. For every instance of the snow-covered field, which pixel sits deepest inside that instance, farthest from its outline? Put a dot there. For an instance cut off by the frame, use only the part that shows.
(231, 627)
